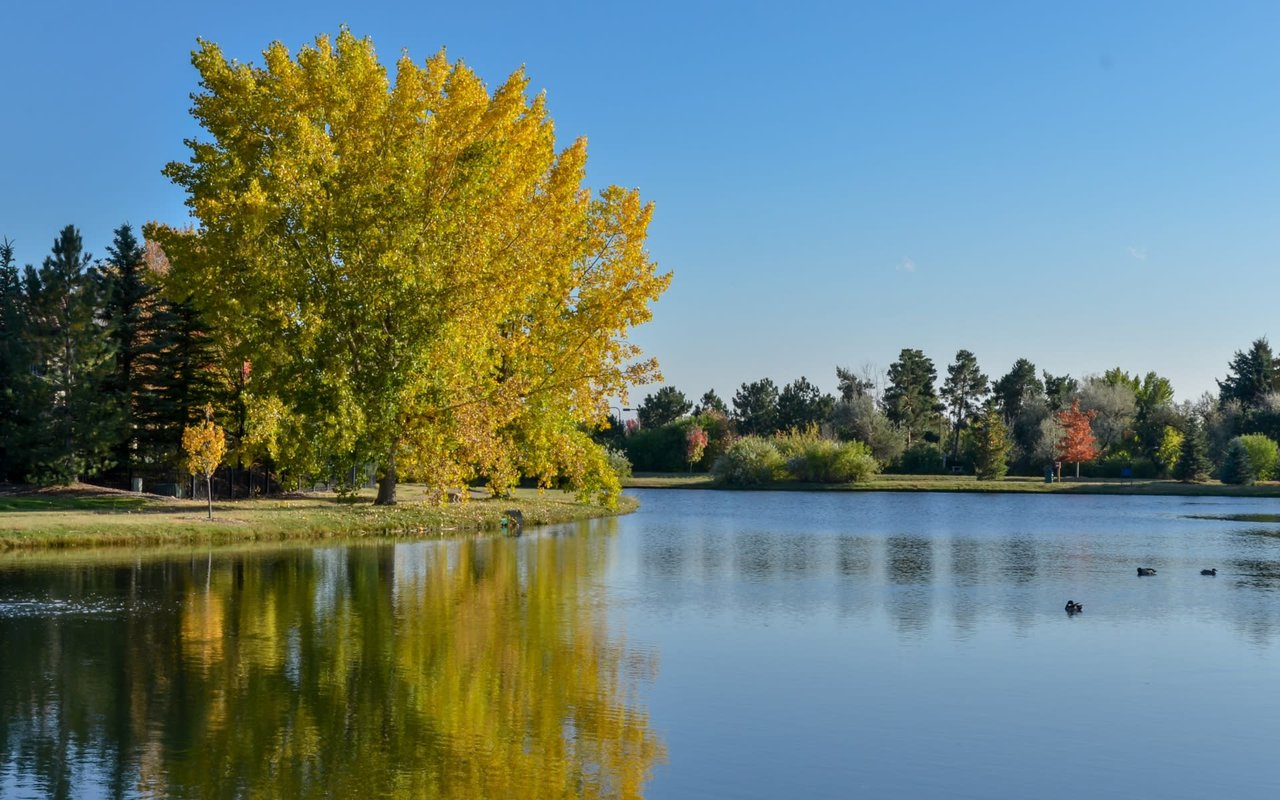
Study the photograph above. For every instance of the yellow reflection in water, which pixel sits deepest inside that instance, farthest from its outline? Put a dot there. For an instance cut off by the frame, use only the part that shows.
(470, 669)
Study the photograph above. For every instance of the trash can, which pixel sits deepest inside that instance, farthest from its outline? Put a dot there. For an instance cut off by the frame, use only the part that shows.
(136, 485)
(1048, 474)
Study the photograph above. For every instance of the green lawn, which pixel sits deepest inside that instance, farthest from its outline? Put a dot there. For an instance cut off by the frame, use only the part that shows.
(85, 517)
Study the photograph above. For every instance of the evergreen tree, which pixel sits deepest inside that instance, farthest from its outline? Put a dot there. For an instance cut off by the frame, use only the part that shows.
(851, 386)
(12, 314)
(71, 363)
(1058, 390)
(1252, 375)
(1193, 463)
(910, 400)
(802, 405)
(963, 390)
(755, 408)
(182, 376)
(1236, 466)
(711, 403)
(668, 404)
(991, 446)
(129, 316)
(1017, 388)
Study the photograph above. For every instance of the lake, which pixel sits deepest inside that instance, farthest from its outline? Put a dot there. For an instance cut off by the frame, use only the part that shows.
(711, 645)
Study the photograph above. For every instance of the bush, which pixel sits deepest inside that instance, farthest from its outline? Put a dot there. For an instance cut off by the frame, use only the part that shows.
(665, 449)
(618, 462)
(750, 461)
(1114, 465)
(719, 436)
(1263, 455)
(816, 460)
(922, 458)
(859, 419)
(658, 449)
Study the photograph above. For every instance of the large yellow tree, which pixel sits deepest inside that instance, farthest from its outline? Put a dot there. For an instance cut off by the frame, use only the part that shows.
(416, 273)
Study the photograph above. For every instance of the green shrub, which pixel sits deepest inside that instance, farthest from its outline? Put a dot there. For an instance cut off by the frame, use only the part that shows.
(816, 460)
(922, 458)
(1263, 455)
(750, 461)
(618, 462)
(665, 448)
(854, 462)
(657, 449)
(1114, 466)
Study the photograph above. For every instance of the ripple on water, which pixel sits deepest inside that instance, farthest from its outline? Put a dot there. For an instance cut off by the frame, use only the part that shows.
(45, 608)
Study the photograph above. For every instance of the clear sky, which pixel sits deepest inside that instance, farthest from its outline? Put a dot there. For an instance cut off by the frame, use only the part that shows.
(1084, 184)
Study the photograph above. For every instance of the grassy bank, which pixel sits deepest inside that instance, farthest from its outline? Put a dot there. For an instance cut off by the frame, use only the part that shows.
(960, 483)
(87, 517)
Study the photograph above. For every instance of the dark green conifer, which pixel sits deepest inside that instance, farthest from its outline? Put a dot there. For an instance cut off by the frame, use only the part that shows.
(12, 314)
(1236, 465)
(129, 318)
(1193, 463)
(68, 431)
(991, 445)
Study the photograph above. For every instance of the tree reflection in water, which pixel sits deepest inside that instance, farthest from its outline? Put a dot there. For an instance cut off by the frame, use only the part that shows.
(466, 669)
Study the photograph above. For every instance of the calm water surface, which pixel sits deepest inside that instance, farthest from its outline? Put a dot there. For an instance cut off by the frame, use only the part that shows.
(755, 645)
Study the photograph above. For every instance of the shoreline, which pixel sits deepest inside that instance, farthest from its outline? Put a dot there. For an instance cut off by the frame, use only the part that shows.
(948, 483)
(89, 518)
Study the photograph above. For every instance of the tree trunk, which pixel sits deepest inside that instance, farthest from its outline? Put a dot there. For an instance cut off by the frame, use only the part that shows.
(208, 488)
(387, 483)
(1077, 469)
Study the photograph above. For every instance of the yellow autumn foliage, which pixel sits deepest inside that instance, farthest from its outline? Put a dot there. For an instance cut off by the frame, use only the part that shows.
(205, 444)
(415, 271)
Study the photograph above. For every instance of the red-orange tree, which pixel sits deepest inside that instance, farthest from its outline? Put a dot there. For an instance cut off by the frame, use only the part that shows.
(1077, 443)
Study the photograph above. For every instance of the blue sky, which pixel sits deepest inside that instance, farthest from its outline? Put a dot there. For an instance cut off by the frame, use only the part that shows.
(1084, 184)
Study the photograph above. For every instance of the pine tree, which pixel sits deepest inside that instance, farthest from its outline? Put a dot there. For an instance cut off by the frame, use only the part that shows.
(12, 359)
(180, 369)
(711, 403)
(755, 408)
(963, 390)
(991, 446)
(910, 400)
(70, 430)
(802, 405)
(1253, 375)
(1236, 465)
(1193, 463)
(128, 314)
(1017, 388)
(668, 404)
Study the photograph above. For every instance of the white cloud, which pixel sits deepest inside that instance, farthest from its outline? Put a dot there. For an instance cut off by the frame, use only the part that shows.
(906, 265)
(1138, 253)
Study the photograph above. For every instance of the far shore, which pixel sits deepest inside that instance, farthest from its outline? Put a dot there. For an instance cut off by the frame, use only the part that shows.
(961, 483)
(85, 516)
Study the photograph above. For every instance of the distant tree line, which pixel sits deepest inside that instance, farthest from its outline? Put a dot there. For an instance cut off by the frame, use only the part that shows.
(912, 420)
